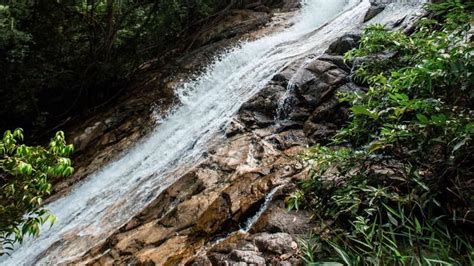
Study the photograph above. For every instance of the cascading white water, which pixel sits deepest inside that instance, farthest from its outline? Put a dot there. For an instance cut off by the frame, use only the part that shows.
(105, 201)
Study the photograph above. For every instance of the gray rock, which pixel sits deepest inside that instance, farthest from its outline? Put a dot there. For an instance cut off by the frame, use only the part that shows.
(337, 60)
(279, 243)
(250, 257)
(387, 55)
(266, 101)
(373, 11)
(201, 261)
(290, 138)
(351, 87)
(291, 4)
(319, 132)
(279, 219)
(319, 67)
(326, 112)
(327, 71)
(313, 91)
(344, 44)
(255, 119)
(335, 77)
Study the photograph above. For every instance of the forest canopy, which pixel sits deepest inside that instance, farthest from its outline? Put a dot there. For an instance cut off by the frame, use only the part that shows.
(60, 58)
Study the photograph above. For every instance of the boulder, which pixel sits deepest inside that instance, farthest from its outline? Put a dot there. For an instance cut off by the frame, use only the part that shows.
(250, 257)
(266, 101)
(278, 243)
(216, 214)
(337, 60)
(200, 261)
(319, 67)
(344, 44)
(279, 220)
(373, 11)
(312, 92)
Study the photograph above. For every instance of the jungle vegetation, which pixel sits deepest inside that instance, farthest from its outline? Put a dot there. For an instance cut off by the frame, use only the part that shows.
(395, 186)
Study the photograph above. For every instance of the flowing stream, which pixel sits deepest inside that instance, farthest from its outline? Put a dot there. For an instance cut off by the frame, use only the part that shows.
(108, 199)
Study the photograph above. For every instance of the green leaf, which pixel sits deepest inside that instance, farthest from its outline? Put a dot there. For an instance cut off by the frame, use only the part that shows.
(342, 254)
(361, 110)
(460, 144)
(392, 219)
(439, 119)
(422, 118)
(418, 229)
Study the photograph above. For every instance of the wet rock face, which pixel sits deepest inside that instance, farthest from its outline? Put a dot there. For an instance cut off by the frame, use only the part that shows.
(344, 44)
(230, 186)
(266, 101)
(304, 99)
(222, 193)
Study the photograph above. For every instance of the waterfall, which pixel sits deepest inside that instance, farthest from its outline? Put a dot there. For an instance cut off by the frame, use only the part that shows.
(109, 198)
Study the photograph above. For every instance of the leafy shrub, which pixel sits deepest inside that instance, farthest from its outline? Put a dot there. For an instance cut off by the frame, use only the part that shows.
(24, 174)
(396, 186)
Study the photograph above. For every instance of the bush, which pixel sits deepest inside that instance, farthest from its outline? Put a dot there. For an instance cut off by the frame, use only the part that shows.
(396, 186)
(24, 183)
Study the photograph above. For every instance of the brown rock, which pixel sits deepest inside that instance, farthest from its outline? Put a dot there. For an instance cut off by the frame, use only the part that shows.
(217, 213)
(234, 153)
(90, 134)
(235, 23)
(160, 255)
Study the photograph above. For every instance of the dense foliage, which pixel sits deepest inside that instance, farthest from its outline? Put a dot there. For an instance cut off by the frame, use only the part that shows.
(24, 182)
(395, 186)
(60, 58)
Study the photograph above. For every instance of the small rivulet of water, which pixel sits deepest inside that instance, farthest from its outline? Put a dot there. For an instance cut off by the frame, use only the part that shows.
(246, 225)
(285, 103)
(250, 222)
(109, 198)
